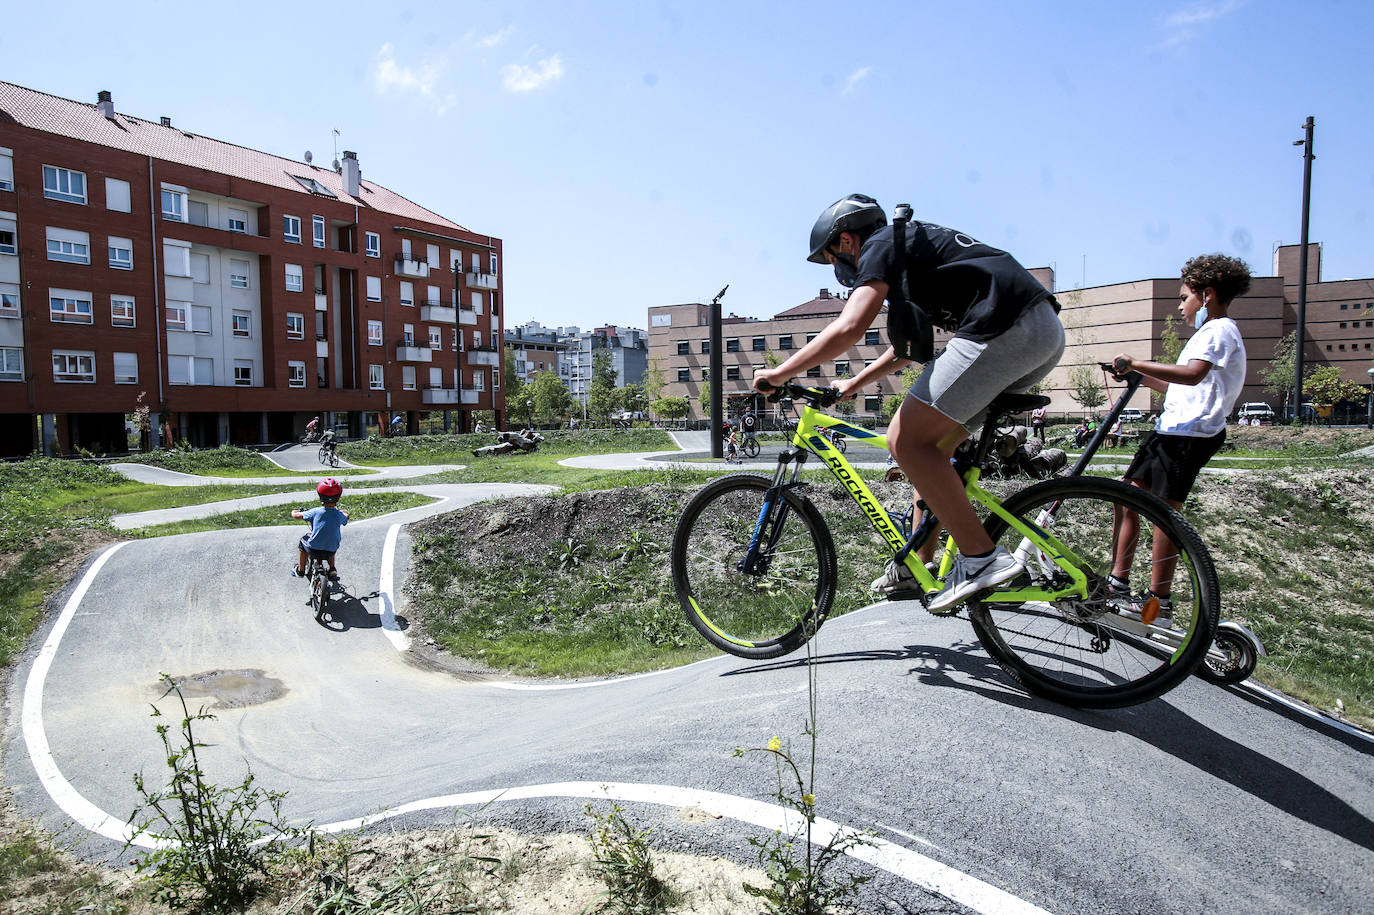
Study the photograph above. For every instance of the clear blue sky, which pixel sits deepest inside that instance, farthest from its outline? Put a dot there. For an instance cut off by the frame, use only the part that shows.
(646, 153)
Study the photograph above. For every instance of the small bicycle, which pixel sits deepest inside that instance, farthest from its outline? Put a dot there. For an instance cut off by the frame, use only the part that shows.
(750, 446)
(321, 585)
(329, 454)
(754, 566)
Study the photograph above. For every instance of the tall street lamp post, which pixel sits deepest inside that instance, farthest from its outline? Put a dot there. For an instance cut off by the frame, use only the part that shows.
(1306, 144)
(1369, 401)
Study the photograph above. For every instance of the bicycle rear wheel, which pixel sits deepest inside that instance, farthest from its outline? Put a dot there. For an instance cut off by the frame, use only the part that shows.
(751, 447)
(1086, 651)
(319, 592)
(759, 605)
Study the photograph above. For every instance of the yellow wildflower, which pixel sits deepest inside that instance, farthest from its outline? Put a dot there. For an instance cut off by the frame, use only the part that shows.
(774, 744)
(809, 800)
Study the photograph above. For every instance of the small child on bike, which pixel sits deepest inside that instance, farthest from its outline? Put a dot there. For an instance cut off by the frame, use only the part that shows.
(326, 528)
(1199, 392)
(1007, 337)
(732, 447)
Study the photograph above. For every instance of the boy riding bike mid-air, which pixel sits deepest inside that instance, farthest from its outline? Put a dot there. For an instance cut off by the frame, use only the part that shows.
(326, 528)
(1007, 337)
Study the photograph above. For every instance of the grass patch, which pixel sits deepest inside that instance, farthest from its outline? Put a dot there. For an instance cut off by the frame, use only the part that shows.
(224, 461)
(358, 506)
(457, 449)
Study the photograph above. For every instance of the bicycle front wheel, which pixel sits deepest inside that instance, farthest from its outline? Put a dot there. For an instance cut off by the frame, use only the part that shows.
(759, 604)
(1092, 652)
(751, 448)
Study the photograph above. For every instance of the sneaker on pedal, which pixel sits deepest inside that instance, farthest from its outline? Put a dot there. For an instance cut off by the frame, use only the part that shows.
(897, 579)
(295, 573)
(969, 576)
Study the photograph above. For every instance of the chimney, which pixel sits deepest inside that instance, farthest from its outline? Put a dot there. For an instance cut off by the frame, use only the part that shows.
(166, 121)
(352, 173)
(825, 294)
(105, 104)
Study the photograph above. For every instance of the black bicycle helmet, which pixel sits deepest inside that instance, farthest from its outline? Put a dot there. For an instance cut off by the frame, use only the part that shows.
(857, 213)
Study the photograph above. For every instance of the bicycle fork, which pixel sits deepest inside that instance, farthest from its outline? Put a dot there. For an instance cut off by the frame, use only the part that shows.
(772, 516)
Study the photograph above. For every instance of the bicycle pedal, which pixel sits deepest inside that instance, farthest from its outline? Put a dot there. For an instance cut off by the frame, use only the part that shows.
(900, 596)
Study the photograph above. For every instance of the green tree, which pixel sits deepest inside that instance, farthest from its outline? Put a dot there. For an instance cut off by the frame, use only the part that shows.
(601, 393)
(653, 381)
(1279, 373)
(632, 397)
(771, 359)
(1085, 386)
(1324, 385)
(904, 383)
(672, 407)
(550, 396)
(704, 398)
(515, 386)
(845, 407)
(1170, 344)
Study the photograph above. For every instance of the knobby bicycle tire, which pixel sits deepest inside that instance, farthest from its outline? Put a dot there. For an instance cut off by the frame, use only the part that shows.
(773, 609)
(1089, 652)
(751, 447)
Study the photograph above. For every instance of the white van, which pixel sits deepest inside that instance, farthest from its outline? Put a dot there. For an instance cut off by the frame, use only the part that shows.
(1255, 414)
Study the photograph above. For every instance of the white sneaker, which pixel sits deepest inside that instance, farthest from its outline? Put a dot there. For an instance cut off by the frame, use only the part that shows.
(972, 575)
(897, 578)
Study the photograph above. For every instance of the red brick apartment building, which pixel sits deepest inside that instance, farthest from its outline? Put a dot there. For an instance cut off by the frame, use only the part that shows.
(231, 292)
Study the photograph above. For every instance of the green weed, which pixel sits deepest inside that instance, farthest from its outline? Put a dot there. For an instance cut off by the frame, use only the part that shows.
(623, 858)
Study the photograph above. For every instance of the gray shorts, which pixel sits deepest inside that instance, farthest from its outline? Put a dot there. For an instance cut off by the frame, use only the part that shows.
(963, 379)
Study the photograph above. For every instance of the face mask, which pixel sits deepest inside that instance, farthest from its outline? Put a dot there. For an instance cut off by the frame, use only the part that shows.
(846, 270)
(1200, 318)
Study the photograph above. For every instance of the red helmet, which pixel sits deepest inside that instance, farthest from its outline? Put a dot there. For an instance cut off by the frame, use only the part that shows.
(329, 488)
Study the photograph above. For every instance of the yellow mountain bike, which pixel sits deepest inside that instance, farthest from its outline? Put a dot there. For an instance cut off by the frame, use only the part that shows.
(755, 570)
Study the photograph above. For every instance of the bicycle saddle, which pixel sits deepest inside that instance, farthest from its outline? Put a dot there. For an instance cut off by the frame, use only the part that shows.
(1007, 402)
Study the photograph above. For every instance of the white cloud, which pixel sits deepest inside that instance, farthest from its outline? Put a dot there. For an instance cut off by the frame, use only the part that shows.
(855, 78)
(495, 38)
(520, 78)
(1185, 25)
(422, 79)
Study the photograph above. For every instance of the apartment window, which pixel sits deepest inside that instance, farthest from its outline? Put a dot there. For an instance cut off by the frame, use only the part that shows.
(64, 184)
(190, 370)
(317, 223)
(684, 375)
(374, 289)
(178, 315)
(295, 374)
(432, 296)
(117, 196)
(198, 213)
(8, 244)
(408, 334)
(295, 326)
(200, 268)
(374, 377)
(407, 293)
(732, 373)
(705, 374)
(243, 372)
(732, 345)
(67, 307)
(810, 337)
(407, 377)
(872, 403)
(126, 368)
(373, 241)
(238, 274)
(6, 169)
(69, 246)
(200, 319)
(436, 378)
(122, 311)
(176, 259)
(760, 344)
(9, 300)
(1344, 306)
(73, 367)
(174, 203)
(238, 221)
(456, 344)
(242, 323)
(1343, 325)
(11, 363)
(322, 372)
(374, 333)
(871, 338)
(477, 339)
(295, 280)
(291, 229)
(785, 342)
(121, 253)
(436, 338)
(813, 372)
(705, 347)
(841, 368)
(684, 349)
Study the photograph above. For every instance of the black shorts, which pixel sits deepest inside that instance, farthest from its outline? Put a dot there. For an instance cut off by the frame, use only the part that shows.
(1168, 465)
(314, 553)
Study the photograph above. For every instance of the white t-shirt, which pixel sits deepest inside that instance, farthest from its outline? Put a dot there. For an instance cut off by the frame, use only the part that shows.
(1200, 410)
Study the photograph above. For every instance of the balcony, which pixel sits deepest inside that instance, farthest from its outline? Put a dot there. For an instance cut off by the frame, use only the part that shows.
(481, 280)
(407, 267)
(321, 302)
(409, 352)
(439, 396)
(472, 395)
(466, 315)
(438, 313)
(484, 355)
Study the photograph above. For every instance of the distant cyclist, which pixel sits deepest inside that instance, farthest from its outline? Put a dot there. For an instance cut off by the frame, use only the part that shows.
(326, 528)
(312, 429)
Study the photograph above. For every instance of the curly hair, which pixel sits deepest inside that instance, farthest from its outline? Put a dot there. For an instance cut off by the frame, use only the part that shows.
(1229, 276)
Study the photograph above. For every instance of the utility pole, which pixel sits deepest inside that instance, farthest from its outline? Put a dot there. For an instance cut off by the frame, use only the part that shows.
(717, 377)
(1307, 156)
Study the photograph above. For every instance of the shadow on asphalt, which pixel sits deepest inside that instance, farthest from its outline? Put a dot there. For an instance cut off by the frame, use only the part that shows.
(347, 611)
(1157, 723)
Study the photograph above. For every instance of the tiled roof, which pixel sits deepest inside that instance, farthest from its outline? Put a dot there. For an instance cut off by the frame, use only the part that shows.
(81, 121)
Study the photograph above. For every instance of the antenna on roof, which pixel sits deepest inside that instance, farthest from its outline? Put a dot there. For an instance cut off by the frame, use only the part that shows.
(308, 158)
(337, 166)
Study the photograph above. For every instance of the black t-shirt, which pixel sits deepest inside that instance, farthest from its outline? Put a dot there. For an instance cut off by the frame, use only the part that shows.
(975, 290)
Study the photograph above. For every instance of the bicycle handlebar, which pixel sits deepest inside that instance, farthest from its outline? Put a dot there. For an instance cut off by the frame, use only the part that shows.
(1114, 367)
(817, 397)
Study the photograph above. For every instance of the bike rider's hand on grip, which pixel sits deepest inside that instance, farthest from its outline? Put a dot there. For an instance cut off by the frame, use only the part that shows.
(1120, 368)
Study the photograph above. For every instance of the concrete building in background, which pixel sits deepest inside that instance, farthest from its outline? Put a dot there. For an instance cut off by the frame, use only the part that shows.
(1101, 321)
(627, 346)
(231, 293)
(536, 348)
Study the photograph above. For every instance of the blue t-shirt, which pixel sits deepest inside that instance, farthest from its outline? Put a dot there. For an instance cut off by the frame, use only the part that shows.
(326, 529)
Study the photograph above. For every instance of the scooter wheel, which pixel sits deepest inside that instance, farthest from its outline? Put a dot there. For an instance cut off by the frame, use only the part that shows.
(1238, 664)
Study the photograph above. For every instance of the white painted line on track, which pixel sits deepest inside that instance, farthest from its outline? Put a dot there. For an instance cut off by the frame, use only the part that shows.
(72, 803)
(895, 859)
(386, 591)
(1307, 711)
